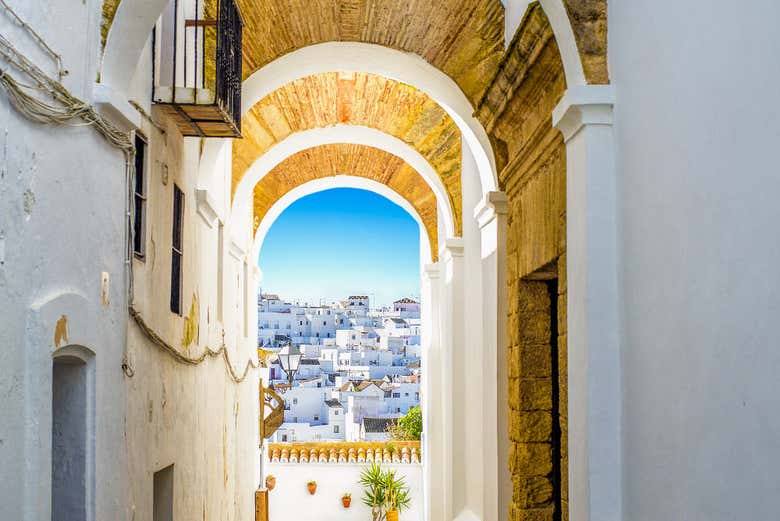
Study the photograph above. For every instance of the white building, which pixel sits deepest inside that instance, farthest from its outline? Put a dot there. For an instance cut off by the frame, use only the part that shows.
(407, 307)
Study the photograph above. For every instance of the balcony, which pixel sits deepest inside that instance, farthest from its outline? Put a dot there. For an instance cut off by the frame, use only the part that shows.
(197, 67)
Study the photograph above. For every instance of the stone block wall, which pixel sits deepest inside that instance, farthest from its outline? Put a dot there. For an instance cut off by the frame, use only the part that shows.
(531, 157)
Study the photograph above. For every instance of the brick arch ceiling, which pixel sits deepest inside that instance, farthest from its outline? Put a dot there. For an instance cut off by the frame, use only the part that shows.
(462, 38)
(349, 159)
(328, 99)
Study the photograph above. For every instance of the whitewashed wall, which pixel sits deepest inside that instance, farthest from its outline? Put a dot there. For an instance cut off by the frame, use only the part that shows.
(696, 125)
(62, 230)
(54, 249)
(290, 500)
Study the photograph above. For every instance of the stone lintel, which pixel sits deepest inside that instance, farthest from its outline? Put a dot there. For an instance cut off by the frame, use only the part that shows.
(583, 105)
(115, 106)
(490, 206)
(453, 247)
(206, 206)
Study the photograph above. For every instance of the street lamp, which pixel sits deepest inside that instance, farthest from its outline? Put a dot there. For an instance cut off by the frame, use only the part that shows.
(290, 358)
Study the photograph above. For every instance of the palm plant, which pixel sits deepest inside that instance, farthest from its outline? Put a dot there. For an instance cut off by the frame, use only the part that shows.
(396, 492)
(372, 480)
(383, 491)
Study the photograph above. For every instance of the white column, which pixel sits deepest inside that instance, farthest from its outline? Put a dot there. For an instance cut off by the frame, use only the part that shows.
(497, 489)
(452, 347)
(584, 116)
(430, 341)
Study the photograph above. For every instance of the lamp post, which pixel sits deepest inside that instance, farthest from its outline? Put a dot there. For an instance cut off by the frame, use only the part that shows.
(290, 358)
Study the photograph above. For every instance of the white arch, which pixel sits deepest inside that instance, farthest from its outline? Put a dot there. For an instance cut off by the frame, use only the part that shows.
(340, 181)
(389, 63)
(352, 134)
(134, 20)
(561, 27)
(130, 30)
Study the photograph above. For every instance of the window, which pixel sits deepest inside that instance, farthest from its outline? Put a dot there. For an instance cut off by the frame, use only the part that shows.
(295, 401)
(324, 323)
(176, 249)
(284, 437)
(316, 417)
(336, 412)
(295, 419)
(406, 394)
(397, 409)
(396, 395)
(139, 198)
(335, 429)
(162, 498)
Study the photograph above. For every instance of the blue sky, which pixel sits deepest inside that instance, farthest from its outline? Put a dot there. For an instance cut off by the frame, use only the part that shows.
(342, 242)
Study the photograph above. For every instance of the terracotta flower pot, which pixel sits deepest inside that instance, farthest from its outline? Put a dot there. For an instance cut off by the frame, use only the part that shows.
(312, 488)
(346, 501)
(270, 482)
(392, 515)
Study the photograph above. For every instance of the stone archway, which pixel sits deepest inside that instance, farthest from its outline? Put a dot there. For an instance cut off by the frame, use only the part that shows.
(583, 111)
(340, 181)
(352, 161)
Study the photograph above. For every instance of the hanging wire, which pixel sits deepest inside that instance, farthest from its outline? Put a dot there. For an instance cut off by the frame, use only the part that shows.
(64, 109)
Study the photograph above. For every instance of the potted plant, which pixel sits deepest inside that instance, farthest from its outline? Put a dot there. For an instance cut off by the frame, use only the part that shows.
(396, 496)
(312, 486)
(346, 500)
(384, 493)
(270, 482)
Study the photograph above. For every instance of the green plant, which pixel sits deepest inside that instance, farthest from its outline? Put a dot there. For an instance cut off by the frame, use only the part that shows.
(396, 493)
(409, 427)
(347, 495)
(383, 491)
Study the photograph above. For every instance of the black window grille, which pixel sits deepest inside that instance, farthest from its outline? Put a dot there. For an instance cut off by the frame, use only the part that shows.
(139, 198)
(176, 249)
(205, 52)
(229, 41)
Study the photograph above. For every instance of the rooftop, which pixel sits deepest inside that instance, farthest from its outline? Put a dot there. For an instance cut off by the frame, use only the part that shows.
(378, 424)
(345, 452)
